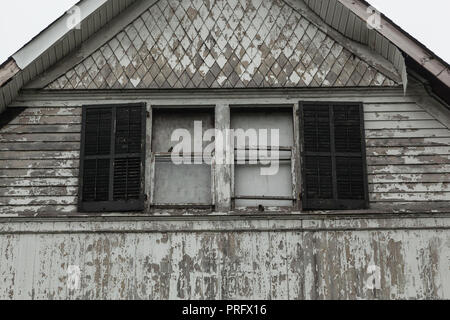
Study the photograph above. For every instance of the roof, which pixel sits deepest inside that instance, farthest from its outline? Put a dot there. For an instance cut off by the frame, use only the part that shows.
(58, 40)
(55, 42)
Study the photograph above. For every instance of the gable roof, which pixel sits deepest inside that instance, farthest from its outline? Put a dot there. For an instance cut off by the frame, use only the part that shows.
(226, 44)
(58, 41)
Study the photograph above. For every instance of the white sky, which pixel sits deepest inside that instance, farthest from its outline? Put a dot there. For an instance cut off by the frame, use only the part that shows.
(427, 21)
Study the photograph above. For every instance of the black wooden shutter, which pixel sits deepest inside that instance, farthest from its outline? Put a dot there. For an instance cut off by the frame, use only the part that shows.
(112, 158)
(333, 157)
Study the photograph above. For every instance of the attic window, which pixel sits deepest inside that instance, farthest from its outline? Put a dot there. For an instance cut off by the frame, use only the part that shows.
(263, 162)
(187, 184)
(112, 154)
(333, 152)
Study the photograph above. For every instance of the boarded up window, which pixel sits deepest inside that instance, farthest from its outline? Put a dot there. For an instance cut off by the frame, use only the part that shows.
(112, 151)
(334, 164)
(255, 184)
(189, 183)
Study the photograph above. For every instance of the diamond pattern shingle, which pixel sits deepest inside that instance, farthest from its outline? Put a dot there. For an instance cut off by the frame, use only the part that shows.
(220, 44)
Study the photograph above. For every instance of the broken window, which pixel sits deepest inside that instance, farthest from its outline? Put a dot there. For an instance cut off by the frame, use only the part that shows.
(187, 180)
(263, 145)
(112, 153)
(334, 162)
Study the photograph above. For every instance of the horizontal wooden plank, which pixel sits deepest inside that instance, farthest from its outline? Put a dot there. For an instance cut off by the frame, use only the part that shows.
(409, 187)
(38, 182)
(43, 120)
(36, 209)
(401, 169)
(36, 146)
(408, 124)
(62, 128)
(397, 116)
(404, 206)
(410, 196)
(39, 164)
(391, 160)
(37, 155)
(389, 97)
(38, 173)
(408, 133)
(404, 142)
(393, 107)
(409, 177)
(408, 151)
(38, 200)
(38, 191)
(52, 111)
(40, 137)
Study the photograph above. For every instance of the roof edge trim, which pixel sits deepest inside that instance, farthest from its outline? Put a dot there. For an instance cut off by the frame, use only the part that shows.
(8, 70)
(425, 57)
(47, 38)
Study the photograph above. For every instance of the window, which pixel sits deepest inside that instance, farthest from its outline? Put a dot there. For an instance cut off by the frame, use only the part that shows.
(262, 169)
(111, 162)
(333, 153)
(188, 184)
(263, 161)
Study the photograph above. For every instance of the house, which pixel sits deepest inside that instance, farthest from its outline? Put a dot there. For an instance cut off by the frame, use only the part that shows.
(92, 204)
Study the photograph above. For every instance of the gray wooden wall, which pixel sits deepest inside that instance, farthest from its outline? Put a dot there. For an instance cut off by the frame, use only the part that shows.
(408, 156)
(231, 258)
(273, 256)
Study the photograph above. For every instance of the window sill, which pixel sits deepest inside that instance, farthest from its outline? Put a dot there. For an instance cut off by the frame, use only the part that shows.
(194, 214)
(230, 223)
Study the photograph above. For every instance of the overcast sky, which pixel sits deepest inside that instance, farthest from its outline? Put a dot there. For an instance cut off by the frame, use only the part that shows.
(427, 21)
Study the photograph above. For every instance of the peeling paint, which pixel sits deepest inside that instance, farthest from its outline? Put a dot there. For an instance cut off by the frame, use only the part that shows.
(257, 264)
(186, 44)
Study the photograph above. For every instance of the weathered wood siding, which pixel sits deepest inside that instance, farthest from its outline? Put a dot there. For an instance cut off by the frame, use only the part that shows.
(304, 258)
(39, 159)
(408, 157)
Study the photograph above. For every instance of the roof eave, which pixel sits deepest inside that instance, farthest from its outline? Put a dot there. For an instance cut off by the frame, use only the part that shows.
(8, 70)
(404, 41)
(53, 33)
(35, 56)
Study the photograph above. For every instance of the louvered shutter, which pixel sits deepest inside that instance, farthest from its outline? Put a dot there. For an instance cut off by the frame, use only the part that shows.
(112, 154)
(333, 157)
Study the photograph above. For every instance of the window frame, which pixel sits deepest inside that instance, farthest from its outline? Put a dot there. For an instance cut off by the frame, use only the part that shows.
(151, 205)
(333, 204)
(111, 205)
(299, 199)
(294, 160)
